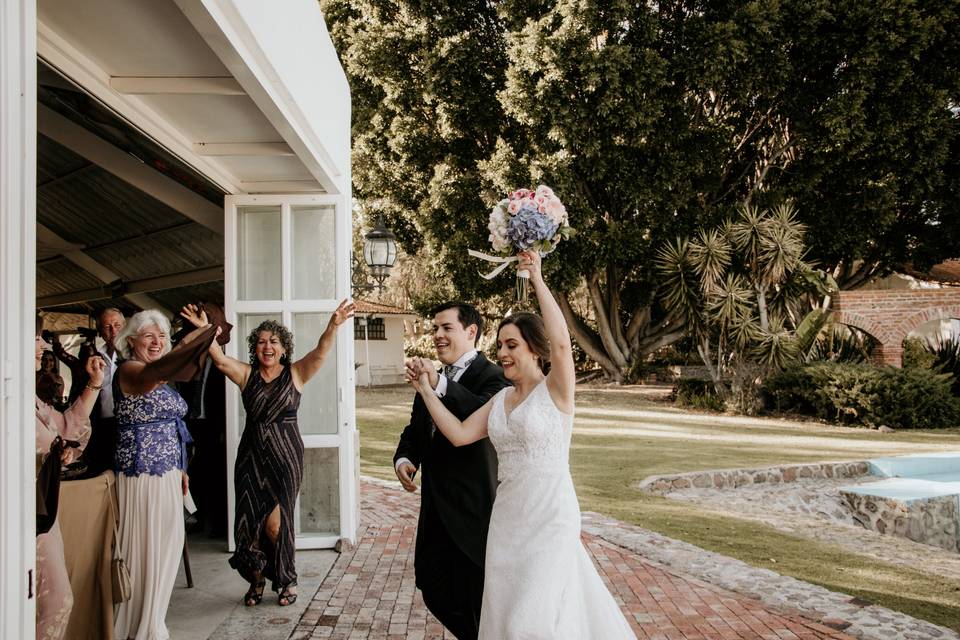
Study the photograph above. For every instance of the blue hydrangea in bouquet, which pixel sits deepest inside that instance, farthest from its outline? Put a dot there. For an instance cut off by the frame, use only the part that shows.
(525, 220)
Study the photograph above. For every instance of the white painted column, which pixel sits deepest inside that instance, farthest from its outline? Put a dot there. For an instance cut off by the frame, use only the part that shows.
(18, 160)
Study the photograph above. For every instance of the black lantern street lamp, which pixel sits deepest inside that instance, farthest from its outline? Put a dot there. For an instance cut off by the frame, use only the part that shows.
(379, 253)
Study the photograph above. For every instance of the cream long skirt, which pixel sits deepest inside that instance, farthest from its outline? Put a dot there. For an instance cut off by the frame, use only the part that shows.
(151, 542)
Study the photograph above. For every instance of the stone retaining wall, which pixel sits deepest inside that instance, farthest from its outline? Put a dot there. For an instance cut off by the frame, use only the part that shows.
(931, 521)
(732, 478)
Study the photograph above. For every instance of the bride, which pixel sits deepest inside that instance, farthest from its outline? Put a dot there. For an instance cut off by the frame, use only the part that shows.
(539, 580)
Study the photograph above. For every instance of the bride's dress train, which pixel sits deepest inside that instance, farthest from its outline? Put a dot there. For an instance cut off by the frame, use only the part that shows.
(539, 580)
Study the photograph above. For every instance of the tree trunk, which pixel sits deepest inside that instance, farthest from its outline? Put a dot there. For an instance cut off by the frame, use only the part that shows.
(604, 328)
(588, 340)
(703, 348)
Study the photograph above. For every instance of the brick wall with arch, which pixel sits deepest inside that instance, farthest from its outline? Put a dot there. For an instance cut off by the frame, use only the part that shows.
(890, 316)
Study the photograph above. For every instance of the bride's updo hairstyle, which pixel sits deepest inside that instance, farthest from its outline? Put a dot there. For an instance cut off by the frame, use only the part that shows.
(534, 334)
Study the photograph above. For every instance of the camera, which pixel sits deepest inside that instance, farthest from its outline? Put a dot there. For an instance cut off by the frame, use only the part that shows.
(87, 332)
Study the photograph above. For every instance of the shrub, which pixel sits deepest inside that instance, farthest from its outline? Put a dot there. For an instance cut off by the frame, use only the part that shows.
(864, 394)
(946, 354)
(937, 353)
(916, 354)
(697, 394)
(841, 343)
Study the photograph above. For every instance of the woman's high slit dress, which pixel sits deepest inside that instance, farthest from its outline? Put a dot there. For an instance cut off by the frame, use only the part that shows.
(268, 473)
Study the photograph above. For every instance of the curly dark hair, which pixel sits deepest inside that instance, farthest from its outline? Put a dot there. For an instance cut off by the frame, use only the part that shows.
(277, 329)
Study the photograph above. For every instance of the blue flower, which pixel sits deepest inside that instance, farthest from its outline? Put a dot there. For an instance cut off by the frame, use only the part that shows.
(530, 226)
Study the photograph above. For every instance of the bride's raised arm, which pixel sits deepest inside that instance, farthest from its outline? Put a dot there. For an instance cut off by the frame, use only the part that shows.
(562, 379)
(458, 433)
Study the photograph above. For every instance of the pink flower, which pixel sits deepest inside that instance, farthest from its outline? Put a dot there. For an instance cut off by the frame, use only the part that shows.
(556, 211)
(513, 207)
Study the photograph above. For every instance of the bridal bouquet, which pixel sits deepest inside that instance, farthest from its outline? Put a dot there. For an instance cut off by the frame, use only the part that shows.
(525, 220)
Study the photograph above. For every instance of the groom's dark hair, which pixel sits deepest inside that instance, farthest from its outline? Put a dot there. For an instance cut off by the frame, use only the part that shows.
(467, 314)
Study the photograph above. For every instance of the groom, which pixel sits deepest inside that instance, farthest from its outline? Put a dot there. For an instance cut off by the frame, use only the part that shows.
(459, 483)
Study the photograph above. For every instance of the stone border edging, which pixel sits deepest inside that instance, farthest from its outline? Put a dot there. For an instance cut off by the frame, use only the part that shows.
(836, 610)
(732, 478)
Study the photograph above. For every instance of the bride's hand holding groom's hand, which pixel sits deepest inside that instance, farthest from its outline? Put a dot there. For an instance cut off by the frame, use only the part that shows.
(421, 374)
(413, 373)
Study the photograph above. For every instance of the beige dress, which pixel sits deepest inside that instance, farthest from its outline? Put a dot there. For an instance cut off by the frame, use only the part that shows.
(54, 599)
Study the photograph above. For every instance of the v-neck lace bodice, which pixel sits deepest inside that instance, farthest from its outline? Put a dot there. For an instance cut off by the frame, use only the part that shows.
(535, 435)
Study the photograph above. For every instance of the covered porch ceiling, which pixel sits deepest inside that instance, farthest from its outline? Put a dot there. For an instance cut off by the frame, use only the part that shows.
(148, 113)
(145, 59)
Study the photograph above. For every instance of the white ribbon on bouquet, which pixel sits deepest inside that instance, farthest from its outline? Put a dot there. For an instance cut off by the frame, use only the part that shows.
(502, 261)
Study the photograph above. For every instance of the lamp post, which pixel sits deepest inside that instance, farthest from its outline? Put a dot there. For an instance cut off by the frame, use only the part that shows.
(364, 322)
(380, 252)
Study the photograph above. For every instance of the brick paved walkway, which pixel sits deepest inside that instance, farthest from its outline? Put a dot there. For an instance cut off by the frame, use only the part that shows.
(370, 593)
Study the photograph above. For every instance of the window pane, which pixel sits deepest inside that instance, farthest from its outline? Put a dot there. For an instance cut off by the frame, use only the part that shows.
(314, 260)
(318, 405)
(258, 253)
(320, 492)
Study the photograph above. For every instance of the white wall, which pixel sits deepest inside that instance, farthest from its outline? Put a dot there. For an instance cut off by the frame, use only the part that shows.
(18, 160)
(386, 356)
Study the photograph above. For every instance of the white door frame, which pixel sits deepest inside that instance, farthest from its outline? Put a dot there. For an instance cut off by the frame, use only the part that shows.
(18, 185)
(346, 439)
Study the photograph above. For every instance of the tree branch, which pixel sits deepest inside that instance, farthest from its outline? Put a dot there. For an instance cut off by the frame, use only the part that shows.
(613, 310)
(603, 322)
(587, 338)
(638, 322)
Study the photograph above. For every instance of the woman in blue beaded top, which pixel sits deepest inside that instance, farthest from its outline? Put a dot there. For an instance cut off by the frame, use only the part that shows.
(150, 462)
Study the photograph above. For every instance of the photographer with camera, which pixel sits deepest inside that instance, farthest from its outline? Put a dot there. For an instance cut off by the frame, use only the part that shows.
(75, 363)
(99, 452)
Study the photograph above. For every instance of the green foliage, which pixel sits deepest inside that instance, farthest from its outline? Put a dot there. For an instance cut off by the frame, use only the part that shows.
(742, 288)
(841, 343)
(916, 354)
(939, 353)
(651, 120)
(866, 395)
(947, 354)
(698, 394)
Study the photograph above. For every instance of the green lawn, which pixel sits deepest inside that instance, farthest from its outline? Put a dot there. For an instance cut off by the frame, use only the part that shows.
(622, 436)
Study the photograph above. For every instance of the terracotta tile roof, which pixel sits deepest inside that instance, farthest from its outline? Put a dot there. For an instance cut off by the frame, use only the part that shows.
(364, 307)
(947, 272)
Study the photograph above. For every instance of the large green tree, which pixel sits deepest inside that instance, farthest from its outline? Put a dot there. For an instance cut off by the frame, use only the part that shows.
(649, 120)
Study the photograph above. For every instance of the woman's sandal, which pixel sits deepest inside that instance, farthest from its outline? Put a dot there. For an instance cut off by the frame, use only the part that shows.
(254, 594)
(286, 597)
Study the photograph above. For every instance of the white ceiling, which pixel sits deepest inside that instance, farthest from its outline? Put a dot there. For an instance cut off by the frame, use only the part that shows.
(152, 38)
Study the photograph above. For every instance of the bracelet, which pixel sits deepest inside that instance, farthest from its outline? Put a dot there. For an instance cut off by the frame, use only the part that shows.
(94, 387)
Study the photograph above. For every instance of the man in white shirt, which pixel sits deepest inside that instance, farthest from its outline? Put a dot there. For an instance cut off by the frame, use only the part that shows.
(458, 483)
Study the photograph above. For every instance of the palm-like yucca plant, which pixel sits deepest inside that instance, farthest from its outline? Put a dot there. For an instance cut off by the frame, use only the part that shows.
(710, 255)
(681, 281)
(745, 287)
(776, 347)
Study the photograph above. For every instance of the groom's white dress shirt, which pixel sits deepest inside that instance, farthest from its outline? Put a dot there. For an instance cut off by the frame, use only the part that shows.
(461, 365)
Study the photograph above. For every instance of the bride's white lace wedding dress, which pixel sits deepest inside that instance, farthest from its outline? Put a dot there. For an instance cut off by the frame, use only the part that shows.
(539, 581)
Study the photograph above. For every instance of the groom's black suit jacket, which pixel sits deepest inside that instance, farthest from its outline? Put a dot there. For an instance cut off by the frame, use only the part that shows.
(457, 483)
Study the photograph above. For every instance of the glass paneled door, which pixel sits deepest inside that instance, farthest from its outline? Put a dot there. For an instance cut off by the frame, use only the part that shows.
(287, 259)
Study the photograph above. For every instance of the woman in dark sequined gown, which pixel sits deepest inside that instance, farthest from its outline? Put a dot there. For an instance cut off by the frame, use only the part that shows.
(269, 465)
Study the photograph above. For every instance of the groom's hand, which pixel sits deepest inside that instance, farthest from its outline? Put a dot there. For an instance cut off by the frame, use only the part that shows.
(405, 473)
(426, 366)
(413, 373)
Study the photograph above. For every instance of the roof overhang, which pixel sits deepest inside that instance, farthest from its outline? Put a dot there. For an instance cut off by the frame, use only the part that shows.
(251, 94)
